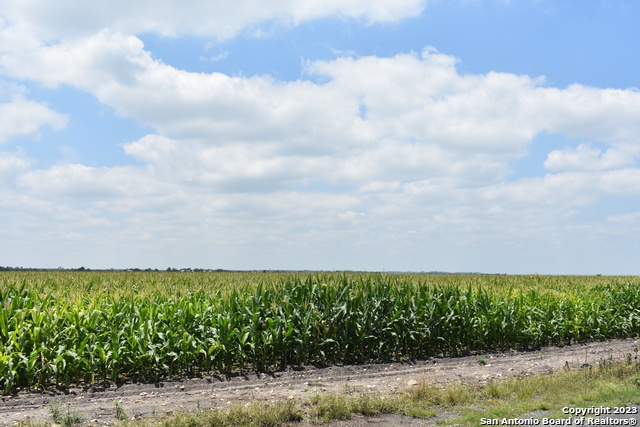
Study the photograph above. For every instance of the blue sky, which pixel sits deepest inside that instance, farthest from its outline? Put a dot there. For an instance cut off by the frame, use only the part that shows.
(462, 135)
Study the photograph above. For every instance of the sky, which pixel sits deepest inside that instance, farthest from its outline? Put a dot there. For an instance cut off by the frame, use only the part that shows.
(495, 136)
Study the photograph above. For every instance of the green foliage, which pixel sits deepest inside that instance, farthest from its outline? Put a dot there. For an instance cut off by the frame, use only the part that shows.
(256, 414)
(63, 415)
(121, 414)
(327, 407)
(63, 328)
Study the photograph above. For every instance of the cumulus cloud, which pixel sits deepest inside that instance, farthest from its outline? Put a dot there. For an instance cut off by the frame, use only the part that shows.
(116, 188)
(220, 19)
(592, 113)
(363, 148)
(12, 164)
(587, 157)
(21, 117)
(422, 119)
(423, 97)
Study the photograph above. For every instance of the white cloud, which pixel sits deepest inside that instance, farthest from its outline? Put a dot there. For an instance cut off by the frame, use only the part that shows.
(395, 151)
(100, 60)
(621, 182)
(424, 98)
(24, 117)
(592, 113)
(12, 164)
(221, 19)
(422, 116)
(632, 218)
(587, 157)
(84, 183)
(423, 120)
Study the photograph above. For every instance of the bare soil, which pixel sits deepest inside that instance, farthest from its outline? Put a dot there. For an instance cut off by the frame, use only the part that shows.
(96, 404)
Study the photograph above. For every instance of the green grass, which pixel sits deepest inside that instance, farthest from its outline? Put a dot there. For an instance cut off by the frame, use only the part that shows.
(608, 385)
(248, 415)
(327, 407)
(64, 415)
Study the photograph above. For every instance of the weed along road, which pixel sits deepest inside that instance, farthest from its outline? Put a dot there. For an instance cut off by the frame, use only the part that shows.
(143, 400)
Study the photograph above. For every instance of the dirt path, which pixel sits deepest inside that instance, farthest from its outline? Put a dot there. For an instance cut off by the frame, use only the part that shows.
(97, 404)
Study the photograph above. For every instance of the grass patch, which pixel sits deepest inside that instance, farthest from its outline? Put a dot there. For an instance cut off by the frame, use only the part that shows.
(64, 415)
(605, 384)
(327, 407)
(255, 414)
(121, 414)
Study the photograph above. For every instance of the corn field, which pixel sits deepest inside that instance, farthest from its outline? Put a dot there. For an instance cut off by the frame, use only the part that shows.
(70, 328)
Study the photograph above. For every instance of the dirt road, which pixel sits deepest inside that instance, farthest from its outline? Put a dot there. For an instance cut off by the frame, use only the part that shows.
(96, 404)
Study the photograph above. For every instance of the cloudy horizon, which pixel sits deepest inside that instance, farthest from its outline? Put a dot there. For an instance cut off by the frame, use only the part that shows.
(472, 135)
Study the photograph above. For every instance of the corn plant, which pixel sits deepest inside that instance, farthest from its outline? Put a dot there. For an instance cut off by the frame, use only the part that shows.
(63, 328)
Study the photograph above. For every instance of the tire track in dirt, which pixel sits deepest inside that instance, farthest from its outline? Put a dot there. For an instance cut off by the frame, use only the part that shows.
(96, 404)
